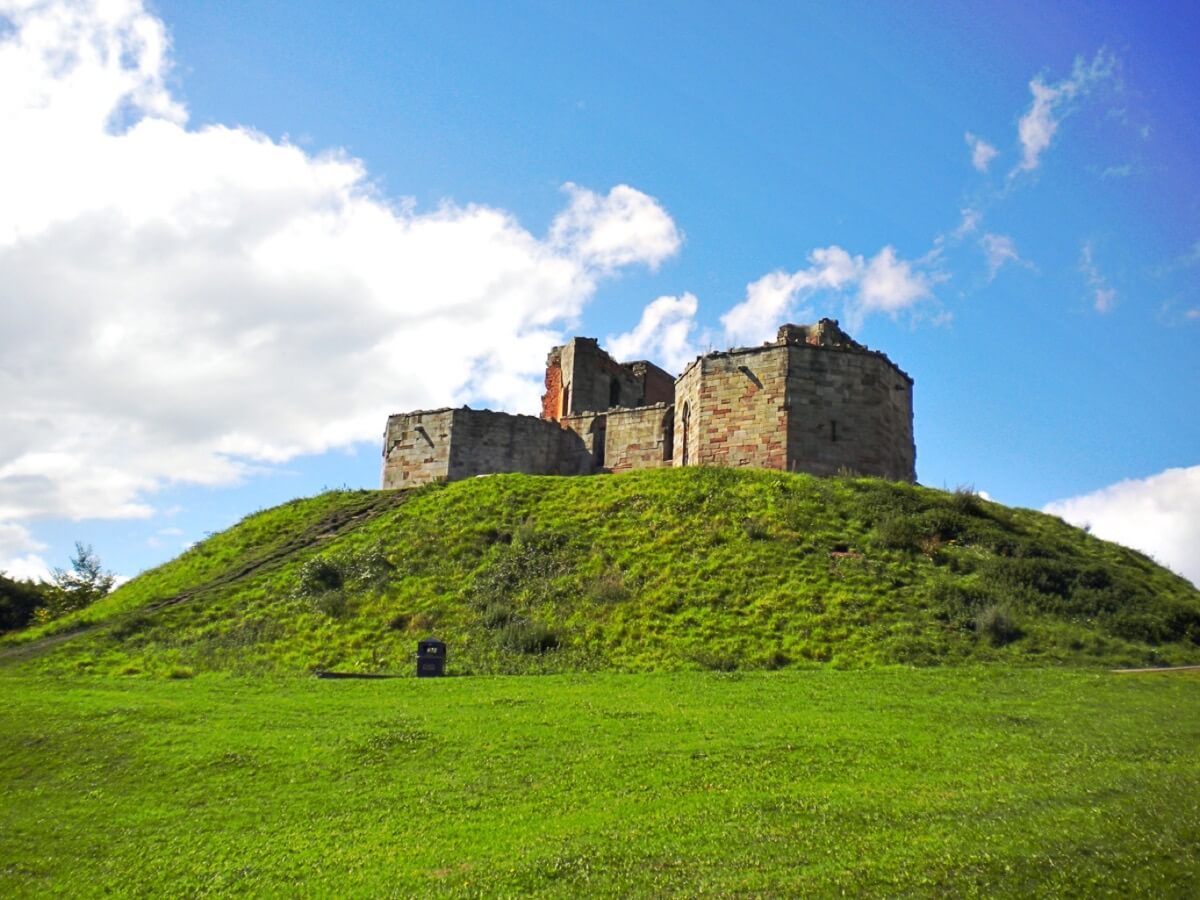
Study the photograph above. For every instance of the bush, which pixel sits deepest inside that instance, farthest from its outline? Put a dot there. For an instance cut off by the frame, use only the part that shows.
(996, 623)
(944, 524)
(966, 501)
(524, 636)
(322, 574)
(19, 599)
(900, 532)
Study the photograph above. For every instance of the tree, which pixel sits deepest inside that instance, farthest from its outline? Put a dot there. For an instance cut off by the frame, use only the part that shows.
(19, 599)
(85, 582)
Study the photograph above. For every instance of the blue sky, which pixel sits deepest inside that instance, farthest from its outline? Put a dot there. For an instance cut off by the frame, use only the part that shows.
(239, 234)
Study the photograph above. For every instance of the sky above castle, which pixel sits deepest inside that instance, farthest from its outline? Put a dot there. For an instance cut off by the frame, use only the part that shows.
(235, 236)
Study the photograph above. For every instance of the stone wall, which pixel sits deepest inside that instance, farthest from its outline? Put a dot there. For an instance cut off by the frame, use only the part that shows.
(484, 442)
(849, 410)
(450, 444)
(737, 411)
(416, 448)
(657, 385)
(639, 438)
(589, 441)
(687, 424)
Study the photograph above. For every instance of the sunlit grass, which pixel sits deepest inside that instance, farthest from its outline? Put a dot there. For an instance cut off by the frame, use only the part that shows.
(671, 569)
(964, 781)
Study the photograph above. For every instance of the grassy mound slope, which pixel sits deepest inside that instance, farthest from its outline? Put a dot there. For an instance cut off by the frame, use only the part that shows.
(666, 569)
(973, 781)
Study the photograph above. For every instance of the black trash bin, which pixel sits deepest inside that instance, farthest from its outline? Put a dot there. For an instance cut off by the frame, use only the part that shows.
(431, 658)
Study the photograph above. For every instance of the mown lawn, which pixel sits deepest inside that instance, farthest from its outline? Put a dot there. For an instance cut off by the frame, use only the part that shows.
(886, 781)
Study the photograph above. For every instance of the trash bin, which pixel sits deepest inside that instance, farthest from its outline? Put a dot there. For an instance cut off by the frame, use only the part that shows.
(431, 658)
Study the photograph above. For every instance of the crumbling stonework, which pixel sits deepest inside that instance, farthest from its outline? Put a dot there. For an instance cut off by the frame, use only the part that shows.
(451, 444)
(813, 400)
(581, 377)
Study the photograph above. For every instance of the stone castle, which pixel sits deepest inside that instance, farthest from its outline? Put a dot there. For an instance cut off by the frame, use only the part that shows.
(813, 400)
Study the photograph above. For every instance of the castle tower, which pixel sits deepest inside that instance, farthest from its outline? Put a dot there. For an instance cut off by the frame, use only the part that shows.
(581, 377)
(813, 400)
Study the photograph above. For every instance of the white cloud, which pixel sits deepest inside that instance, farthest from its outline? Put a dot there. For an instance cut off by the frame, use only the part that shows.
(999, 249)
(30, 567)
(970, 222)
(982, 153)
(890, 284)
(884, 283)
(1104, 296)
(19, 553)
(1159, 515)
(1036, 129)
(180, 305)
(663, 334)
(606, 232)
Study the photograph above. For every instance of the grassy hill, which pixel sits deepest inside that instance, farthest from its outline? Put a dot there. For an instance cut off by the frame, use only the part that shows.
(658, 570)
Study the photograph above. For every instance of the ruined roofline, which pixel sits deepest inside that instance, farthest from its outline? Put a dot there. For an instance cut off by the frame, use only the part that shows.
(556, 352)
(463, 408)
(857, 349)
(634, 363)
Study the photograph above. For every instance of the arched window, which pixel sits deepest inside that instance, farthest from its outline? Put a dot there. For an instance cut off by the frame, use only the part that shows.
(566, 401)
(685, 421)
(614, 393)
(668, 435)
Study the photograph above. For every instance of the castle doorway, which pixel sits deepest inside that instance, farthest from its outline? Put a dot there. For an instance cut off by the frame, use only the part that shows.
(668, 435)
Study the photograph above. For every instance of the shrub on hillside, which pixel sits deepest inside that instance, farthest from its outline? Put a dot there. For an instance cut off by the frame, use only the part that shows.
(524, 636)
(997, 624)
(321, 574)
(966, 501)
(900, 532)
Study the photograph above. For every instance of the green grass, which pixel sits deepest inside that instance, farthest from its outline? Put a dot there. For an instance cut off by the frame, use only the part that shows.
(888, 782)
(674, 569)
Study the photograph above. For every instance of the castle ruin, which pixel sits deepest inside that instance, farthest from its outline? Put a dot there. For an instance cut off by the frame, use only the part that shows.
(813, 400)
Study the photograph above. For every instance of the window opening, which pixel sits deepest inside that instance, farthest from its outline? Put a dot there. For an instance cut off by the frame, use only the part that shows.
(598, 443)
(686, 418)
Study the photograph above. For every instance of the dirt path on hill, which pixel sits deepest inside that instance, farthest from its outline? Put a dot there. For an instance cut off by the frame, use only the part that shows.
(336, 524)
